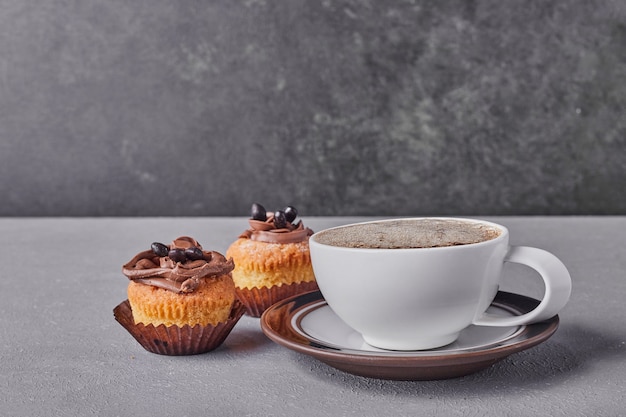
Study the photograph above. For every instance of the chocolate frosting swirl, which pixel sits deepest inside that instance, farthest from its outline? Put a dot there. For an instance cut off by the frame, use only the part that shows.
(181, 277)
(265, 231)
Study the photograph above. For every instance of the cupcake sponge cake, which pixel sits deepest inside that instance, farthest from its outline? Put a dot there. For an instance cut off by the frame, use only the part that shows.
(209, 304)
(272, 259)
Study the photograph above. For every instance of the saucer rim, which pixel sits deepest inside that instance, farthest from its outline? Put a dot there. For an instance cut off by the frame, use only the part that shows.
(311, 307)
(406, 365)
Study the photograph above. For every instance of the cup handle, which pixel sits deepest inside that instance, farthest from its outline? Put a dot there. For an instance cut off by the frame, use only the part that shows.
(558, 287)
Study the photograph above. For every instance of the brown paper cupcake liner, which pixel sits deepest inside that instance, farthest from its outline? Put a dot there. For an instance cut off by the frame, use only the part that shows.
(257, 300)
(175, 340)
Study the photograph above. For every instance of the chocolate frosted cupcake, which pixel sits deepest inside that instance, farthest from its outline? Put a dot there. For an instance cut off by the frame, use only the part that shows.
(181, 299)
(272, 260)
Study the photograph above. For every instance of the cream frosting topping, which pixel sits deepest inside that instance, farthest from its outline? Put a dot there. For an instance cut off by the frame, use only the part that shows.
(266, 231)
(182, 277)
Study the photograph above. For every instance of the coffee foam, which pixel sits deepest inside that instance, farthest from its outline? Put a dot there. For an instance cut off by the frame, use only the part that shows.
(408, 233)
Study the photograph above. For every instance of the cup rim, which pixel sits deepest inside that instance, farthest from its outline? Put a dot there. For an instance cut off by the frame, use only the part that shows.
(504, 232)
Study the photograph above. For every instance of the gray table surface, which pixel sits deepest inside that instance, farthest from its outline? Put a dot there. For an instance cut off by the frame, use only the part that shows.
(62, 352)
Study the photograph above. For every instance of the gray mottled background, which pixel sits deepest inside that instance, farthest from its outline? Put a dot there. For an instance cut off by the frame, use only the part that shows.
(339, 107)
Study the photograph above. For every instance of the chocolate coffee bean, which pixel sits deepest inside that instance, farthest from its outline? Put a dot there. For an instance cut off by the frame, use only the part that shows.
(177, 255)
(280, 220)
(291, 213)
(194, 254)
(258, 212)
(159, 249)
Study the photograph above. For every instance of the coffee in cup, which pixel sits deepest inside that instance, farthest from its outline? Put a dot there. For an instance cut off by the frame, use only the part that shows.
(413, 284)
(408, 234)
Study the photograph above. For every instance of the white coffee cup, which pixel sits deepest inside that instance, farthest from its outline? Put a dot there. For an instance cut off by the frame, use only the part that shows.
(422, 298)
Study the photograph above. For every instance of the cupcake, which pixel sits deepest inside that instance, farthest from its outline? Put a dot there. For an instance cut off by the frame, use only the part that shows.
(181, 298)
(272, 260)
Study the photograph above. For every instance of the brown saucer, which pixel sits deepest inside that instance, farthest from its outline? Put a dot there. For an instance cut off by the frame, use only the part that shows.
(306, 324)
